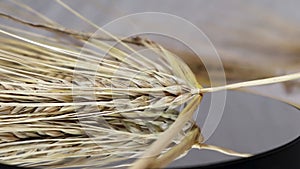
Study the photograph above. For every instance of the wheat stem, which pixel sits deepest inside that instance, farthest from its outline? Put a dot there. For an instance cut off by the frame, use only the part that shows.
(259, 82)
(226, 151)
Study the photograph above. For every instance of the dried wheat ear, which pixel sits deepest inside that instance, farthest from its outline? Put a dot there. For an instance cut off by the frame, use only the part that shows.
(103, 105)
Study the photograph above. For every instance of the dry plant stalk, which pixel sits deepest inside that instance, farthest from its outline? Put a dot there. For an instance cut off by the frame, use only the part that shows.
(133, 112)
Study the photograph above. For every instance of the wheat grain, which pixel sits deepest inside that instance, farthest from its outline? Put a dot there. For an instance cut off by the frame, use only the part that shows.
(66, 106)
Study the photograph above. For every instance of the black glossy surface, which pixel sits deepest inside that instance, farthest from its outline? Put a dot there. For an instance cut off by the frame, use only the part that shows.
(250, 124)
(268, 128)
(285, 157)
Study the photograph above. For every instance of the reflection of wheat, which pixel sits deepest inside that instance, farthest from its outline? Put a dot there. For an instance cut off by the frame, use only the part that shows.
(48, 118)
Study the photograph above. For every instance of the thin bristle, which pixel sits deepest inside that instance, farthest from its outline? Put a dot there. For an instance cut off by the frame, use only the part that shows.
(103, 105)
(69, 107)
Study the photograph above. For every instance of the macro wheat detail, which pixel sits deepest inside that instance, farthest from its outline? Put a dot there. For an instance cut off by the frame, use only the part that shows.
(105, 106)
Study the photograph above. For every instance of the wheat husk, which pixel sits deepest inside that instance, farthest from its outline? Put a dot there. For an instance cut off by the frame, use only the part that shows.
(48, 118)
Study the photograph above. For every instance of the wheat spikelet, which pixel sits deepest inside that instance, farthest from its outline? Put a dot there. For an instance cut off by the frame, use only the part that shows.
(40, 115)
(67, 106)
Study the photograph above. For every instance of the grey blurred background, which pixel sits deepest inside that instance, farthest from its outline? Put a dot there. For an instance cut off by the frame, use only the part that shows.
(255, 39)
